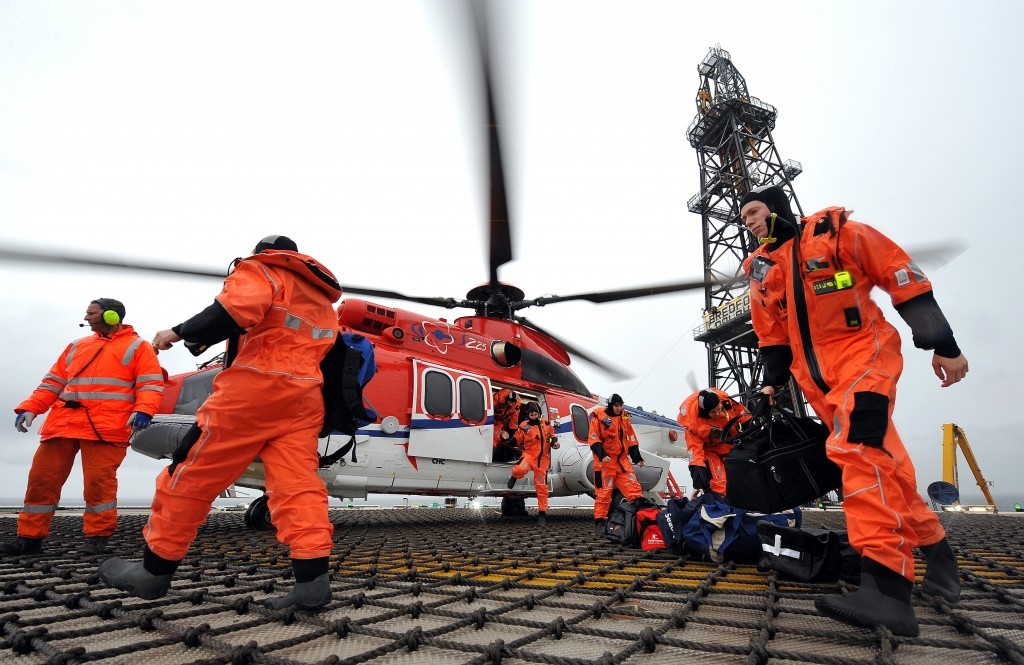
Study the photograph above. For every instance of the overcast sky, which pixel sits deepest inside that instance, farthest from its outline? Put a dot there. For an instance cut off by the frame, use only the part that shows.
(186, 131)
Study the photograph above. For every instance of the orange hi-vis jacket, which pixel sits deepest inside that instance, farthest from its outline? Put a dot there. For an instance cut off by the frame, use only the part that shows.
(506, 415)
(616, 436)
(704, 435)
(841, 261)
(846, 359)
(536, 441)
(95, 385)
(276, 339)
(268, 404)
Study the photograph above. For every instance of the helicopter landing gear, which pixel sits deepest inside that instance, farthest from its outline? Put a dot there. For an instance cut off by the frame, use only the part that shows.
(513, 506)
(257, 515)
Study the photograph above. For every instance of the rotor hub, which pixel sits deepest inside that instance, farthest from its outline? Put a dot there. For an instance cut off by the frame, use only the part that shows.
(495, 299)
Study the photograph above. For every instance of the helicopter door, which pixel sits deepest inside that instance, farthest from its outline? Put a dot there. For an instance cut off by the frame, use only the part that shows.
(450, 414)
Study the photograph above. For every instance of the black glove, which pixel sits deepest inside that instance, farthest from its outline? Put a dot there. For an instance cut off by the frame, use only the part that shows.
(634, 455)
(701, 476)
(760, 405)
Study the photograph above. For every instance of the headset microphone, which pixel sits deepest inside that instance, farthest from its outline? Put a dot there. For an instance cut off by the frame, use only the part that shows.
(83, 325)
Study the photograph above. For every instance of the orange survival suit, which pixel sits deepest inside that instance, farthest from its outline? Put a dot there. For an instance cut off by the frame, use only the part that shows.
(536, 438)
(704, 435)
(93, 388)
(846, 359)
(267, 403)
(613, 436)
(507, 405)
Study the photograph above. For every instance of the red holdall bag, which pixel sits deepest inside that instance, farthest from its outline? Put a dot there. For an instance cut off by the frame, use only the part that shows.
(648, 530)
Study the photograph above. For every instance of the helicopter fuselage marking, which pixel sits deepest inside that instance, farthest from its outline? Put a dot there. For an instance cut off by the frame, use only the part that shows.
(435, 334)
(473, 343)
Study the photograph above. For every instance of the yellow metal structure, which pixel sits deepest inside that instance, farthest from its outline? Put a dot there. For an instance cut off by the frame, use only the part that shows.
(952, 437)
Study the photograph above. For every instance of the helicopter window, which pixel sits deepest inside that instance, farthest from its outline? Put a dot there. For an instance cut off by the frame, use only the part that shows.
(580, 423)
(544, 370)
(471, 400)
(437, 394)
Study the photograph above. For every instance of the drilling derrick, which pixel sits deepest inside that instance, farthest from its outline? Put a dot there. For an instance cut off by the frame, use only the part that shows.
(732, 134)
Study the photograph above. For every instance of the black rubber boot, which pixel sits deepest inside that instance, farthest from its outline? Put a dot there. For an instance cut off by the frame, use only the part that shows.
(312, 589)
(23, 547)
(132, 576)
(599, 527)
(94, 545)
(542, 519)
(511, 482)
(882, 599)
(942, 576)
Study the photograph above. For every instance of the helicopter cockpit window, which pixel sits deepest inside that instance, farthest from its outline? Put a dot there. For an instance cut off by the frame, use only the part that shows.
(580, 423)
(541, 369)
(437, 394)
(472, 406)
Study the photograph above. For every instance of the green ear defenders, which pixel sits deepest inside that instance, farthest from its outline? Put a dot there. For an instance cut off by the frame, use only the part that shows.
(113, 310)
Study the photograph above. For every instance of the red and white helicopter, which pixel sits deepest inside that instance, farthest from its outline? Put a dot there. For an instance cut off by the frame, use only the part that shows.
(434, 393)
(436, 381)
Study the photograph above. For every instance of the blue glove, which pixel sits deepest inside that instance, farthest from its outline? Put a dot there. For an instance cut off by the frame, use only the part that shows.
(23, 420)
(139, 420)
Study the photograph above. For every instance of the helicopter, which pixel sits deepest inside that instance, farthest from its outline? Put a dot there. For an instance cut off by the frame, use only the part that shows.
(434, 391)
(435, 386)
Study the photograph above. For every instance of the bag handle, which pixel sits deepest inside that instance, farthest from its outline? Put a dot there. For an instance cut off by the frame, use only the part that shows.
(754, 427)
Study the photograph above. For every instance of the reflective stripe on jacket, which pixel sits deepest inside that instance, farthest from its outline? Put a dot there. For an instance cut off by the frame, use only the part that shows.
(278, 298)
(109, 377)
(536, 442)
(615, 434)
(840, 262)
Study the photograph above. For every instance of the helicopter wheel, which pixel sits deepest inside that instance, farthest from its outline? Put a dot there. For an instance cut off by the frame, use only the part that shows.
(257, 515)
(513, 506)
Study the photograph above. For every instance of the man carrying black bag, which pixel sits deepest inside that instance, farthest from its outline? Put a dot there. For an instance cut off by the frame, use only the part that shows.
(811, 308)
(706, 416)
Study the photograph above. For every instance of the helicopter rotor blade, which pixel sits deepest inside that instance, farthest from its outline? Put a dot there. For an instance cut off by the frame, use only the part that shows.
(691, 380)
(499, 230)
(617, 373)
(112, 262)
(934, 256)
(625, 294)
(96, 261)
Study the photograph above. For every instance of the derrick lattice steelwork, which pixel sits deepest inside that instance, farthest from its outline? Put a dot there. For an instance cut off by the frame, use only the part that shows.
(732, 134)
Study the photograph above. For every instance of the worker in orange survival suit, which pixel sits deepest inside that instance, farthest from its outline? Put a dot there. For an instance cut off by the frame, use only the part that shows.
(536, 437)
(266, 403)
(705, 415)
(616, 449)
(810, 287)
(101, 388)
(506, 419)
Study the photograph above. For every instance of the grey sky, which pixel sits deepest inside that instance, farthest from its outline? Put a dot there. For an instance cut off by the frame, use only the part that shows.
(185, 131)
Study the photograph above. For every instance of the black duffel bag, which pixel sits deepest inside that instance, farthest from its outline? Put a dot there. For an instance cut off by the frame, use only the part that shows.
(778, 462)
(807, 555)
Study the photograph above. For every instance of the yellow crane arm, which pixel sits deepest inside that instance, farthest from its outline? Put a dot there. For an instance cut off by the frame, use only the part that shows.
(953, 436)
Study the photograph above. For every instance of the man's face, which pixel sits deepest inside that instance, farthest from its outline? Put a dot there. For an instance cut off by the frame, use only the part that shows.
(534, 414)
(617, 409)
(755, 217)
(94, 317)
(716, 412)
